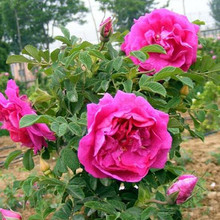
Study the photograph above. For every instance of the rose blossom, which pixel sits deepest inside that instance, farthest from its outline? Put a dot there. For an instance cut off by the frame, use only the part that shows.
(106, 29)
(184, 185)
(214, 57)
(172, 31)
(10, 215)
(126, 137)
(12, 110)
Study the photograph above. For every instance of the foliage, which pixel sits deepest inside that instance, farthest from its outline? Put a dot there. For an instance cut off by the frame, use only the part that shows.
(80, 73)
(215, 10)
(22, 18)
(207, 100)
(125, 11)
(211, 47)
(4, 52)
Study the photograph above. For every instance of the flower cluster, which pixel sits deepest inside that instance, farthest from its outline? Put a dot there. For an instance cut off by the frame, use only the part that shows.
(12, 110)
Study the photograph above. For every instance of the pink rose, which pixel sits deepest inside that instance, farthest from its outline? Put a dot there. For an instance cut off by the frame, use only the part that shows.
(12, 110)
(200, 46)
(214, 57)
(10, 215)
(126, 137)
(172, 31)
(184, 185)
(106, 29)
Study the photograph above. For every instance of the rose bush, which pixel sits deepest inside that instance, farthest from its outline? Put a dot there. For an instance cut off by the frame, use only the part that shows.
(126, 137)
(125, 134)
(172, 31)
(184, 187)
(12, 110)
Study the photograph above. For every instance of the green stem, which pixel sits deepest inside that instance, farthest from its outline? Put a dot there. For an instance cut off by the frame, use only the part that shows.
(157, 201)
(102, 46)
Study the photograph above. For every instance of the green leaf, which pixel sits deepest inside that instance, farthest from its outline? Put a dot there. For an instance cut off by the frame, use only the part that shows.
(64, 212)
(154, 87)
(117, 63)
(28, 161)
(148, 212)
(185, 80)
(72, 95)
(174, 123)
(62, 129)
(128, 85)
(85, 59)
(198, 22)
(75, 191)
(154, 48)
(17, 59)
(70, 59)
(75, 128)
(54, 55)
(200, 115)
(167, 72)
(70, 159)
(33, 52)
(101, 206)
(64, 40)
(29, 120)
(45, 55)
(65, 32)
(139, 55)
(96, 53)
(11, 157)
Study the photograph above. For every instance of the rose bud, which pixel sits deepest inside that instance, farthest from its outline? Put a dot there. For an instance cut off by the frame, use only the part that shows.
(10, 215)
(105, 29)
(44, 166)
(184, 90)
(214, 57)
(182, 189)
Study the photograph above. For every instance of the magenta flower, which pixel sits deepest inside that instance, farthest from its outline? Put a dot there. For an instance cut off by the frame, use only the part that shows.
(126, 137)
(172, 31)
(12, 110)
(214, 57)
(106, 29)
(184, 185)
(200, 46)
(10, 215)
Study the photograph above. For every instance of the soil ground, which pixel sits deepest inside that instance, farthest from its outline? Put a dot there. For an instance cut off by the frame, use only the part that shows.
(200, 157)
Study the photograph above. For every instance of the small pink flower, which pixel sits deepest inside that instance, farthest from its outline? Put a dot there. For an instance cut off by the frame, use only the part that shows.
(6, 74)
(184, 186)
(214, 57)
(126, 137)
(12, 110)
(10, 215)
(170, 30)
(106, 29)
(211, 51)
(200, 46)
(218, 38)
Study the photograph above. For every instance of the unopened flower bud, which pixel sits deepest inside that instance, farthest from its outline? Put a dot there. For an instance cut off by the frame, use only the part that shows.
(44, 166)
(106, 30)
(10, 215)
(182, 189)
(184, 90)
